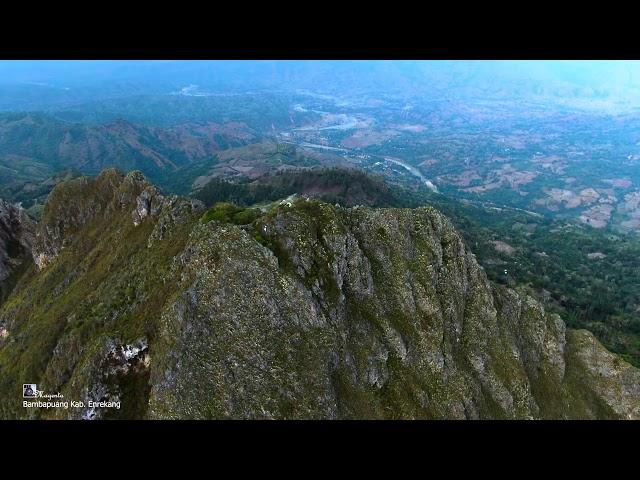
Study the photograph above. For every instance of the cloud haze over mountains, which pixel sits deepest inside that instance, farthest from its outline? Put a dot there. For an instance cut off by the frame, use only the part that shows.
(47, 84)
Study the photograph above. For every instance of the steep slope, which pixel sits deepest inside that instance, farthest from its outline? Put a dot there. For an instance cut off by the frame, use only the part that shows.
(311, 311)
(94, 278)
(17, 232)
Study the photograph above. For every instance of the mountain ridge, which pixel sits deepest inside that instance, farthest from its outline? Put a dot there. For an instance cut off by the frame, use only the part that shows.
(308, 311)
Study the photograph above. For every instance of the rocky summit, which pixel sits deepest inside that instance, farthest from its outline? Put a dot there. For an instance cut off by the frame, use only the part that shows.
(300, 310)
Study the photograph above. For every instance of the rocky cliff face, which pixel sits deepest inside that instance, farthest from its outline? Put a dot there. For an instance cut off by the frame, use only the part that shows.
(311, 311)
(17, 231)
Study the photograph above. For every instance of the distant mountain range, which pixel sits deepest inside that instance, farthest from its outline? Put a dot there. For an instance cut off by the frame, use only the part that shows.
(35, 146)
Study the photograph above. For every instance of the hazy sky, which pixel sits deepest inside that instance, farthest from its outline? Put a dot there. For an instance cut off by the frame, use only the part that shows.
(606, 72)
(615, 82)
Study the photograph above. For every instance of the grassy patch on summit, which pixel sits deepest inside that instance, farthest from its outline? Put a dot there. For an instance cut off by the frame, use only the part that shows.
(225, 212)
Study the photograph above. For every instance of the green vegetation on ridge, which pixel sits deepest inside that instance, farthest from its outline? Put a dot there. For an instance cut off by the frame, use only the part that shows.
(555, 259)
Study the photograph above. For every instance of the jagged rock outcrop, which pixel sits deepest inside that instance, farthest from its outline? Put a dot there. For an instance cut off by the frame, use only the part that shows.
(75, 203)
(310, 311)
(103, 384)
(17, 231)
(365, 313)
